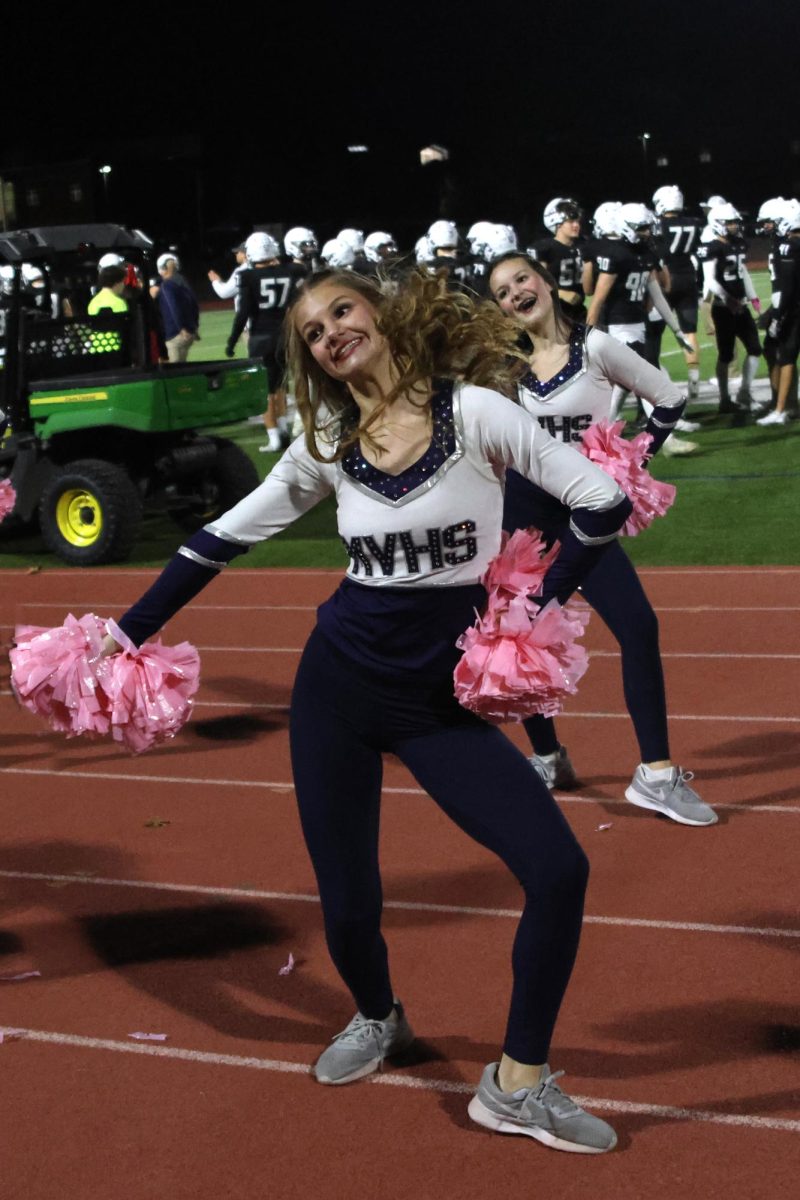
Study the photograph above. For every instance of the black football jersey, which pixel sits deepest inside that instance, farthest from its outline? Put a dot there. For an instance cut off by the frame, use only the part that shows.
(633, 265)
(264, 295)
(458, 270)
(565, 263)
(788, 275)
(678, 241)
(729, 258)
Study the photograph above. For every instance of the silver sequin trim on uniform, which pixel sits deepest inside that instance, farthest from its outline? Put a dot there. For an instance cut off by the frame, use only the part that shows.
(198, 558)
(226, 537)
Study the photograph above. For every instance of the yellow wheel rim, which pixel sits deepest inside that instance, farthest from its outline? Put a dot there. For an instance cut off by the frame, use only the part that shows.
(79, 517)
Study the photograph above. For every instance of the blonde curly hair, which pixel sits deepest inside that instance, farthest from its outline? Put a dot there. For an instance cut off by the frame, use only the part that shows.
(431, 333)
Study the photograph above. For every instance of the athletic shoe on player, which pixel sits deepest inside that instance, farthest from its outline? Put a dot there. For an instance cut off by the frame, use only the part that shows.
(774, 418)
(543, 1112)
(361, 1048)
(671, 796)
(674, 446)
(687, 426)
(555, 770)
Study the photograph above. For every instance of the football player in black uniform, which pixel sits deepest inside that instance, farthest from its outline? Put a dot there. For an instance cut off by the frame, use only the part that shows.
(443, 242)
(679, 238)
(478, 266)
(767, 226)
(627, 281)
(266, 289)
(726, 277)
(561, 254)
(785, 326)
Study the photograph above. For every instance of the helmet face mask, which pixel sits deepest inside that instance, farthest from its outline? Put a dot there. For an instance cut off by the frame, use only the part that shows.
(300, 243)
(558, 211)
(635, 222)
(721, 217)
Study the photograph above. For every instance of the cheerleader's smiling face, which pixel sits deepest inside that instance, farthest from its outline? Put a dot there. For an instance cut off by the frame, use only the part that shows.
(521, 292)
(338, 325)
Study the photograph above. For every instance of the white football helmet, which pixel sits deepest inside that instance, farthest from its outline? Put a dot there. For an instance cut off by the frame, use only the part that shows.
(300, 242)
(353, 238)
(443, 235)
(476, 238)
(31, 274)
(260, 247)
(6, 278)
(337, 254)
(170, 256)
(771, 211)
(560, 210)
(720, 216)
(668, 198)
(712, 202)
(377, 241)
(605, 221)
(789, 218)
(500, 239)
(111, 260)
(635, 222)
(423, 250)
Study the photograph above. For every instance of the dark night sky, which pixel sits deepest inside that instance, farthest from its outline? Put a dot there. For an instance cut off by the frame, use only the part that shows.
(533, 100)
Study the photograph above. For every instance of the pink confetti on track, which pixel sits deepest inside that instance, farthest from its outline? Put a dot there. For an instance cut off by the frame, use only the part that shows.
(149, 1037)
(288, 967)
(601, 828)
(8, 978)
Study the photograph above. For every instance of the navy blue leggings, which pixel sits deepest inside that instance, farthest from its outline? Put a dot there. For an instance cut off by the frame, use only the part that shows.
(614, 591)
(343, 718)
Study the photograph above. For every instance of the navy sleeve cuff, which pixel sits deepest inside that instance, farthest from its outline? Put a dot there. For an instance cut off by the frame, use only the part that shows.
(660, 425)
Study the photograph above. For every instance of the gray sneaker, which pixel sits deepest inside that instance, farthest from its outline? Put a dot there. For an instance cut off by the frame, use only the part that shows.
(673, 797)
(361, 1048)
(542, 1112)
(556, 771)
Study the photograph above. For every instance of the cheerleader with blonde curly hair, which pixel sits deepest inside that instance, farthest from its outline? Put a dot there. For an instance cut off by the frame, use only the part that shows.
(406, 425)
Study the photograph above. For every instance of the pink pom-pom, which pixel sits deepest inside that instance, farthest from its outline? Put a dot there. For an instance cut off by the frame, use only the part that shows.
(150, 692)
(8, 498)
(520, 566)
(521, 661)
(622, 460)
(56, 674)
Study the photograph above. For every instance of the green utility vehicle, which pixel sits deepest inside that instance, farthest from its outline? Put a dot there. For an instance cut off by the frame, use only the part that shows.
(98, 428)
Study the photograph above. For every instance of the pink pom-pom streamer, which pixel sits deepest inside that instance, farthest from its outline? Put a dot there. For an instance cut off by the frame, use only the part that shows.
(521, 661)
(8, 498)
(150, 693)
(622, 460)
(141, 696)
(56, 673)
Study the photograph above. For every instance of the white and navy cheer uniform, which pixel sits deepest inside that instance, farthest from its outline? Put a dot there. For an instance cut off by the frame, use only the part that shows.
(376, 676)
(567, 405)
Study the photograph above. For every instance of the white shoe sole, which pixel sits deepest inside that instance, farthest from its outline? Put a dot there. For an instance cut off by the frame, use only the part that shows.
(641, 801)
(481, 1115)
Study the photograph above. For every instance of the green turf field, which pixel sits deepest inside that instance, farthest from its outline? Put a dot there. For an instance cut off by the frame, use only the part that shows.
(738, 496)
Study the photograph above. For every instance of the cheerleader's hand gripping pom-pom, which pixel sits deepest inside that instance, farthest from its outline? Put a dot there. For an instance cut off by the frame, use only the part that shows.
(8, 498)
(622, 460)
(150, 690)
(521, 661)
(56, 674)
(520, 566)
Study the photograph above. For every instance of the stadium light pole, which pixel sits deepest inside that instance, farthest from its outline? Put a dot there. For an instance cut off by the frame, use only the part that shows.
(644, 138)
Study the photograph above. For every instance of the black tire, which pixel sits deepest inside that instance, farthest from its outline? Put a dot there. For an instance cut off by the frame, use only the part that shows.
(89, 512)
(224, 482)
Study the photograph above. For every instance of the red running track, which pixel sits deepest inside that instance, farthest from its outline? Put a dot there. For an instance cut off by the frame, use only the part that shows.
(163, 894)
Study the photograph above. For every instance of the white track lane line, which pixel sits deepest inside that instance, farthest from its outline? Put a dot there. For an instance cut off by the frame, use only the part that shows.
(288, 786)
(390, 1079)
(402, 905)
